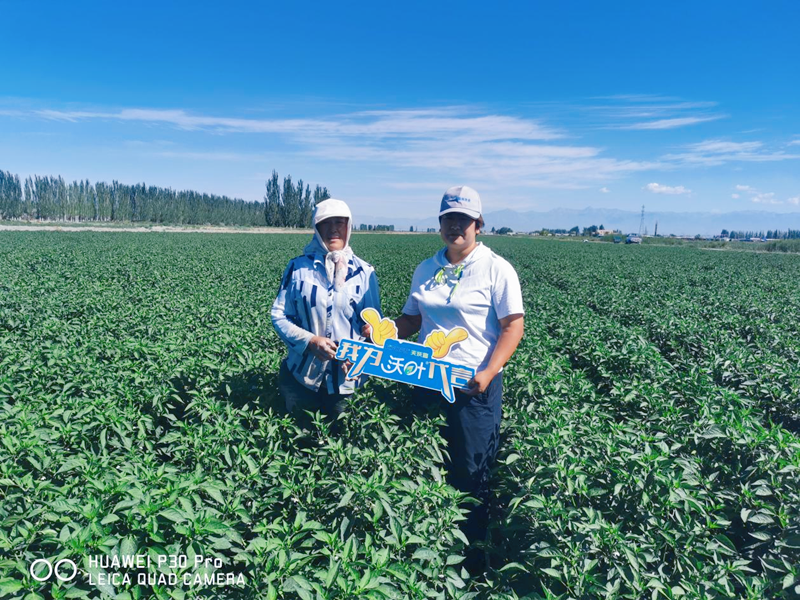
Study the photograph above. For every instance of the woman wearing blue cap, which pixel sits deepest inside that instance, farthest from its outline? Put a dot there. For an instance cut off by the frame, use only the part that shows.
(320, 300)
(467, 285)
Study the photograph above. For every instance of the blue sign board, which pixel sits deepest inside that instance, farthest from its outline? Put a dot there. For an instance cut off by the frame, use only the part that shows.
(406, 362)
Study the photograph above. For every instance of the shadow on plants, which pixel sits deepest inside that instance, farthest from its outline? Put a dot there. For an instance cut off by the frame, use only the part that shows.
(257, 388)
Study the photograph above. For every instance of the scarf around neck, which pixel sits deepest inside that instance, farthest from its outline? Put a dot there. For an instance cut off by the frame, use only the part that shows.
(335, 261)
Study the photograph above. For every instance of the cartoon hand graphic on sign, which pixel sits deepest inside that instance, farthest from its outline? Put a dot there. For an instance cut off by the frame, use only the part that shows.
(382, 329)
(441, 343)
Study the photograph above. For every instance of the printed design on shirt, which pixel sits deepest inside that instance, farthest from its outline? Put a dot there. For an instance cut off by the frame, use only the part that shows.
(441, 277)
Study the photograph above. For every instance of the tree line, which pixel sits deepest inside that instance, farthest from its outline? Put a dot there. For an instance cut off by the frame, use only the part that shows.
(791, 234)
(53, 199)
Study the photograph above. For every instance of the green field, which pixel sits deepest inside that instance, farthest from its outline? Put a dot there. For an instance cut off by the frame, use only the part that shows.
(650, 441)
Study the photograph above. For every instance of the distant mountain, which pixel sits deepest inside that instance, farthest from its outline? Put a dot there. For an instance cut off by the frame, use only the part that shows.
(678, 223)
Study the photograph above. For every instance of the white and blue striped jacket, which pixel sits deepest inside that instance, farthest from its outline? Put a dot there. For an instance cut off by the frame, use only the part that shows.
(307, 305)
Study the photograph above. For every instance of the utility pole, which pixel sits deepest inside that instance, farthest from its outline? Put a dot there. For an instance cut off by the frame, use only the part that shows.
(641, 223)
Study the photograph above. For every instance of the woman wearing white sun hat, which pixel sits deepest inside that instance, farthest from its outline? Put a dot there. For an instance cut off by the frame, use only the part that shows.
(320, 300)
(467, 285)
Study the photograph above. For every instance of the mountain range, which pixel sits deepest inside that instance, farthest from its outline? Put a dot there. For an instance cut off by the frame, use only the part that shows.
(678, 223)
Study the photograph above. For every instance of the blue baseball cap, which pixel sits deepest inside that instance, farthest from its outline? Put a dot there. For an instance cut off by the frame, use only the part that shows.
(462, 199)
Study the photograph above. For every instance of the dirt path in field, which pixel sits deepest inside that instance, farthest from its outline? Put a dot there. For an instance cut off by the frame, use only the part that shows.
(172, 229)
(749, 251)
(152, 229)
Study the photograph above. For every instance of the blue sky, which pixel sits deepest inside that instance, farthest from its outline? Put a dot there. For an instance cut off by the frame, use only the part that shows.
(678, 106)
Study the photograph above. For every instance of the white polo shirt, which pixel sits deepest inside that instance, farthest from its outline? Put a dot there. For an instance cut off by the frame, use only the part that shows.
(487, 291)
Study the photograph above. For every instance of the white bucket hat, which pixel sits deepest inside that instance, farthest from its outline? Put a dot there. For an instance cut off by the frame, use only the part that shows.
(332, 208)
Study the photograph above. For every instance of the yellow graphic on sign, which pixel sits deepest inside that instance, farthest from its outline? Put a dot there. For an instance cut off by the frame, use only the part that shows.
(441, 342)
(382, 329)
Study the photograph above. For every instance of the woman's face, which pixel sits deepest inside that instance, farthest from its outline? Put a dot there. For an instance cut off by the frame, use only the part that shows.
(458, 230)
(333, 232)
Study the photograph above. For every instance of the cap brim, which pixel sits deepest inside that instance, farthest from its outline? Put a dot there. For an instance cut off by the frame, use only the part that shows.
(472, 214)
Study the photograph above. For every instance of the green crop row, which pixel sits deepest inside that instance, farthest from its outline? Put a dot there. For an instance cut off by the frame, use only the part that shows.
(650, 446)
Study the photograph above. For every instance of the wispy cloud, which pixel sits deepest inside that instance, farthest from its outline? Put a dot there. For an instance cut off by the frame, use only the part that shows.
(757, 196)
(735, 196)
(148, 144)
(636, 98)
(657, 188)
(723, 147)
(537, 165)
(765, 198)
(632, 112)
(718, 152)
(450, 142)
(420, 185)
(458, 141)
(794, 200)
(378, 124)
(670, 123)
(213, 156)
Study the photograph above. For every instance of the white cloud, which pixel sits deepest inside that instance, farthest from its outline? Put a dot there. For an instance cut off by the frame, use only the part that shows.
(213, 156)
(547, 166)
(765, 198)
(657, 188)
(421, 185)
(653, 112)
(795, 200)
(671, 123)
(722, 147)
(735, 196)
(377, 124)
(718, 152)
(637, 98)
(761, 197)
(454, 141)
(794, 143)
(605, 190)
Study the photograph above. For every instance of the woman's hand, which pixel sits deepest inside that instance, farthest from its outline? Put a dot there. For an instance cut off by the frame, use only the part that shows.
(322, 348)
(511, 329)
(366, 331)
(479, 383)
(407, 325)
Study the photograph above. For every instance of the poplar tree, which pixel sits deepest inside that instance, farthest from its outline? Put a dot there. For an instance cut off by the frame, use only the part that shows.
(53, 199)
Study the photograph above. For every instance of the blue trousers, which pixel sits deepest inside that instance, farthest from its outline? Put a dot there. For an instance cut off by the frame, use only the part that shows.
(299, 398)
(473, 437)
